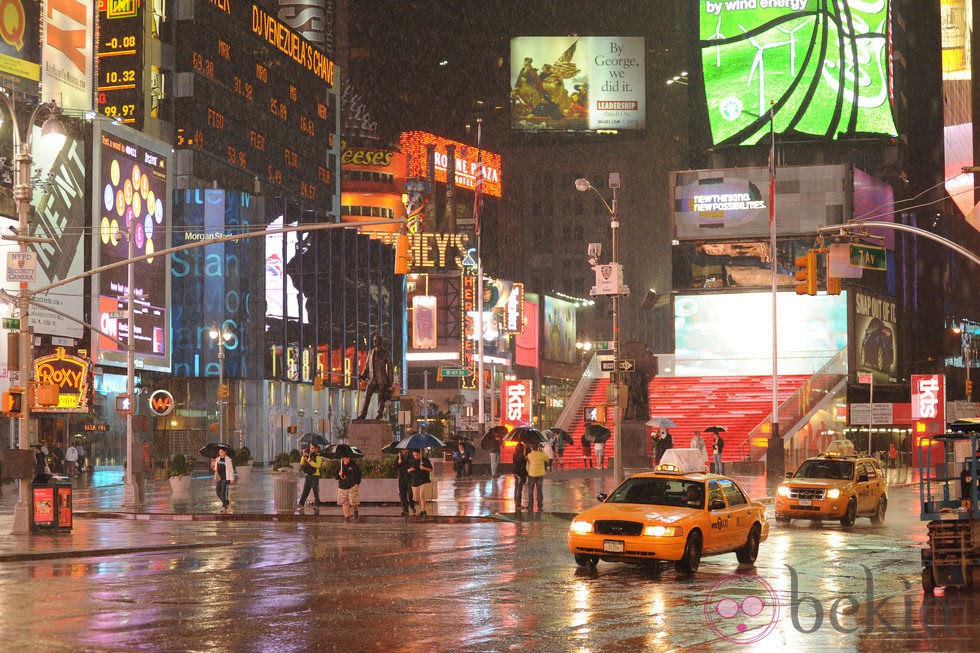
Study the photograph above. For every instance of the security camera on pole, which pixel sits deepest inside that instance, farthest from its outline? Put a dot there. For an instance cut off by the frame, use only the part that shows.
(609, 281)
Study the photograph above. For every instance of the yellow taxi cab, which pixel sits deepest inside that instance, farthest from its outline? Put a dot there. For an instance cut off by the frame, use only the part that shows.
(676, 512)
(837, 484)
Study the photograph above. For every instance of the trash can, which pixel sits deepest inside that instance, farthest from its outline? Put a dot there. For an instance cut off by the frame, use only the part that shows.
(51, 508)
(284, 490)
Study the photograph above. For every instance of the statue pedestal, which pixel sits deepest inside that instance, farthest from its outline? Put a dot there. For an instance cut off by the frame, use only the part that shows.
(634, 454)
(369, 435)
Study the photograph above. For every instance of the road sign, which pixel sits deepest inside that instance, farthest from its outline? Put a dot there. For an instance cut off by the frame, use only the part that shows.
(603, 345)
(118, 315)
(454, 371)
(607, 366)
(865, 378)
(21, 266)
(11, 323)
(868, 257)
(624, 365)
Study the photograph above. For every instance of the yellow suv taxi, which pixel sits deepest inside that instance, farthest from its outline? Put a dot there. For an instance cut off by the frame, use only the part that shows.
(837, 484)
(676, 513)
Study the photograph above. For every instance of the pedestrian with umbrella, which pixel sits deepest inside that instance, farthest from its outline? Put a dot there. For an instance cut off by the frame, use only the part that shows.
(586, 452)
(348, 482)
(598, 435)
(311, 463)
(462, 461)
(420, 478)
(718, 448)
(405, 462)
(537, 467)
(224, 475)
(520, 477)
(491, 443)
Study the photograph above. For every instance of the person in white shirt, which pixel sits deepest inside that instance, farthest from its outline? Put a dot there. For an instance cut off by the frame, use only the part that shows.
(697, 442)
(71, 458)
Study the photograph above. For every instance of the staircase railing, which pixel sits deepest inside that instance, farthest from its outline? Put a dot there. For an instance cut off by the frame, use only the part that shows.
(825, 382)
(573, 407)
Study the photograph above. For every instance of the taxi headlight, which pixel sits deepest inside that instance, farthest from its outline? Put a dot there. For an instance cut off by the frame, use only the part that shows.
(833, 493)
(581, 527)
(782, 491)
(663, 531)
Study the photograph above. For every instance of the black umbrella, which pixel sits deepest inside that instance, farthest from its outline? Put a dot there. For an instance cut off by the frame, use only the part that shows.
(420, 441)
(467, 446)
(716, 429)
(496, 433)
(563, 434)
(314, 438)
(391, 448)
(338, 451)
(210, 450)
(527, 435)
(597, 433)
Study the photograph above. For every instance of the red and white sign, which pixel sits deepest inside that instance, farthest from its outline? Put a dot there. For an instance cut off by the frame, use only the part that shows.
(865, 379)
(515, 403)
(929, 400)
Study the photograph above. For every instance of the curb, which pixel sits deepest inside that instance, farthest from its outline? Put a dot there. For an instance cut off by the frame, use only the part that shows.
(88, 553)
(288, 517)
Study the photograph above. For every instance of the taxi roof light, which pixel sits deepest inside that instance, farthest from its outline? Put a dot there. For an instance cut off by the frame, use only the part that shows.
(681, 461)
(839, 449)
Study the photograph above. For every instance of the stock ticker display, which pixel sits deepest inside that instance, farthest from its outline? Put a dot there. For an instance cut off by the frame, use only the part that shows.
(119, 90)
(261, 99)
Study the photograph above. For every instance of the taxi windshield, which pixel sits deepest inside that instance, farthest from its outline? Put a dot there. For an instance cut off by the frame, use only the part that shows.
(840, 470)
(678, 492)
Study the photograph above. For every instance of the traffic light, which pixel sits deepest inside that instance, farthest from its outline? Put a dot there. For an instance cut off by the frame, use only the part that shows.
(223, 391)
(317, 383)
(969, 389)
(807, 273)
(833, 285)
(13, 402)
(402, 257)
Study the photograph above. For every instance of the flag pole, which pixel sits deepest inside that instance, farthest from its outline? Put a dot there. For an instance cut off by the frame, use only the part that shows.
(481, 385)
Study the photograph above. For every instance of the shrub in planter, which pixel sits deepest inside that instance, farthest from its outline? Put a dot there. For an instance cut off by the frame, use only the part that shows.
(281, 461)
(294, 456)
(179, 466)
(242, 457)
(386, 467)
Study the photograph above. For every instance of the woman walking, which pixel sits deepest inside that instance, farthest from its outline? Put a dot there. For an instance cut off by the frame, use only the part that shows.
(520, 476)
(224, 475)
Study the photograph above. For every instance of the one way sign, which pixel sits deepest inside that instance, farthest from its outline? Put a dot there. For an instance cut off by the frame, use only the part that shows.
(625, 365)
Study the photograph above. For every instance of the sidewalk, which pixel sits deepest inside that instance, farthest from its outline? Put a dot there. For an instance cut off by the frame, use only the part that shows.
(102, 526)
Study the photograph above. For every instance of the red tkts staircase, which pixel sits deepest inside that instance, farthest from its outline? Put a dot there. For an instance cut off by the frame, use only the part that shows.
(739, 403)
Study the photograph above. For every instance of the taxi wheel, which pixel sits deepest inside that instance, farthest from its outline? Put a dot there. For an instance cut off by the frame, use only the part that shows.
(583, 560)
(878, 517)
(748, 553)
(691, 560)
(850, 515)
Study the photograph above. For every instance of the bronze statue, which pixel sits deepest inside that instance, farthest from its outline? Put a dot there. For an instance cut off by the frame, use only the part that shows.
(637, 397)
(380, 374)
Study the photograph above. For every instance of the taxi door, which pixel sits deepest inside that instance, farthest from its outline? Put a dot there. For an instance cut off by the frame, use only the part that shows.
(739, 514)
(864, 479)
(716, 531)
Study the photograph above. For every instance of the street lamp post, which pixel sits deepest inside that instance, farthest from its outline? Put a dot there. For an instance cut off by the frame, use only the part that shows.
(584, 347)
(221, 336)
(618, 291)
(54, 134)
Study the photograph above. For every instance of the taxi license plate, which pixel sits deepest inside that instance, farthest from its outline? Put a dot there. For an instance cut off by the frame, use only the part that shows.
(614, 546)
(805, 502)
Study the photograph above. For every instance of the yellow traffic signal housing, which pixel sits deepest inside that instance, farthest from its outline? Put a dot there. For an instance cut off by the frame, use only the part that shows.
(223, 391)
(807, 273)
(12, 402)
(402, 257)
(969, 389)
(833, 285)
(317, 383)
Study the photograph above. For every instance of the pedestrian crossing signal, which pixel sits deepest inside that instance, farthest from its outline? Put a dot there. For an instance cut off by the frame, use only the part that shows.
(317, 383)
(12, 402)
(223, 391)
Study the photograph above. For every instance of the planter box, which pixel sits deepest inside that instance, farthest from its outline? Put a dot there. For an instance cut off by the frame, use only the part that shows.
(373, 490)
(243, 473)
(180, 485)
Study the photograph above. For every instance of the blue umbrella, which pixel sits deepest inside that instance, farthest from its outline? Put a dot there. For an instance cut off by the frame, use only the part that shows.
(420, 441)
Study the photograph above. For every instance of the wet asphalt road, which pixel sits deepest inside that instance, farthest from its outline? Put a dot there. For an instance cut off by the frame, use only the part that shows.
(486, 586)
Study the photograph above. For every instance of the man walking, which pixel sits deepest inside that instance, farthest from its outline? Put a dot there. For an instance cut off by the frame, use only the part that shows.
(71, 459)
(405, 462)
(348, 487)
(719, 447)
(697, 443)
(537, 462)
(494, 453)
(310, 464)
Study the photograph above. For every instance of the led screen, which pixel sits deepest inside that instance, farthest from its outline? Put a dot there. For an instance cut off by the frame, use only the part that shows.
(725, 334)
(559, 330)
(132, 196)
(577, 83)
(822, 66)
(282, 298)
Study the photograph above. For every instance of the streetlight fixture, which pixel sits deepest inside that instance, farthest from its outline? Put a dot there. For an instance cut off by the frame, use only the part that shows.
(584, 347)
(221, 336)
(610, 282)
(53, 134)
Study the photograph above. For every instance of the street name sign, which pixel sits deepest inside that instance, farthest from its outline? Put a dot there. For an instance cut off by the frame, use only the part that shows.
(11, 323)
(454, 371)
(603, 345)
(868, 257)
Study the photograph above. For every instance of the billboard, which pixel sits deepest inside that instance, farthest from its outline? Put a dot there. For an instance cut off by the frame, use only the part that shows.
(956, 29)
(559, 330)
(875, 340)
(710, 333)
(282, 297)
(67, 57)
(823, 67)
(577, 83)
(526, 345)
(132, 190)
(20, 45)
(414, 146)
(733, 203)
(516, 400)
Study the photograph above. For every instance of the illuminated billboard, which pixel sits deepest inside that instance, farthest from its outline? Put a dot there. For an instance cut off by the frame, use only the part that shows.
(710, 333)
(577, 83)
(733, 203)
(67, 58)
(559, 330)
(875, 337)
(20, 47)
(823, 67)
(131, 199)
(414, 148)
